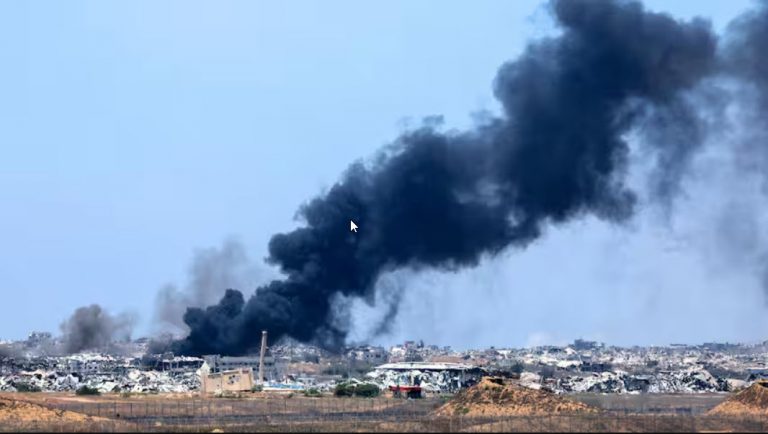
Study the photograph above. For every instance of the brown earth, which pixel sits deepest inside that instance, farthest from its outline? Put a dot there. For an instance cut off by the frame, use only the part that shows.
(496, 397)
(12, 410)
(752, 400)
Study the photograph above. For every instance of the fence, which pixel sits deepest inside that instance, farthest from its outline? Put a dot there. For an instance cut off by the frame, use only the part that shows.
(330, 414)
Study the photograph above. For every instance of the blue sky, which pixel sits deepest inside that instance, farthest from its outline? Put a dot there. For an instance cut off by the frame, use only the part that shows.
(133, 133)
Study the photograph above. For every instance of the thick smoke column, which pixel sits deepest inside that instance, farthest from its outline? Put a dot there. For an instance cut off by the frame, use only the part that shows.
(91, 327)
(443, 200)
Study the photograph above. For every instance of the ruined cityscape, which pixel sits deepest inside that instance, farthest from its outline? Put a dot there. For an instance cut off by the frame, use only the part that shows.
(425, 370)
(291, 386)
(607, 189)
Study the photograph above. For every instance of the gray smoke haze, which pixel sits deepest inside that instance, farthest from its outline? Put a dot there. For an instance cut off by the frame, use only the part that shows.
(743, 60)
(92, 327)
(211, 272)
(9, 351)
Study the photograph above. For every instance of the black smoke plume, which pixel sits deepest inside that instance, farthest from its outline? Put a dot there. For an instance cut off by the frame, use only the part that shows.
(444, 200)
(92, 328)
(211, 272)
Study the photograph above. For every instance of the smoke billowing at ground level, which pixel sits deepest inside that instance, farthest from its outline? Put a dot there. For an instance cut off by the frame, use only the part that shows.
(92, 327)
(442, 200)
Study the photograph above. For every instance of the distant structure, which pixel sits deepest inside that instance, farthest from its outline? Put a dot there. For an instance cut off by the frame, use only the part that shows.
(236, 374)
(584, 345)
(456, 375)
(236, 380)
(261, 356)
(217, 363)
(368, 354)
(263, 366)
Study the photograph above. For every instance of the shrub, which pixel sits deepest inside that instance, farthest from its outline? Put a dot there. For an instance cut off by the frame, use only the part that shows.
(312, 393)
(344, 389)
(360, 390)
(86, 390)
(257, 388)
(367, 390)
(26, 387)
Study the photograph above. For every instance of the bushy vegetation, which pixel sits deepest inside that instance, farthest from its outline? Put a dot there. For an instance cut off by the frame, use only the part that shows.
(257, 388)
(361, 390)
(312, 393)
(26, 387)
(86, 390)
(367, 390)
(344, 389)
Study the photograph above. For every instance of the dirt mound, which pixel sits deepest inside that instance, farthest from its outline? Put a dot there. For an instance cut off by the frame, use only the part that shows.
(753, 400)
(496, 397)
(12, 410)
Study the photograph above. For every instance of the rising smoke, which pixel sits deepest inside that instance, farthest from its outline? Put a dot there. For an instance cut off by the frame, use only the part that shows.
(443, 200)
(92, 327)
(211, 272)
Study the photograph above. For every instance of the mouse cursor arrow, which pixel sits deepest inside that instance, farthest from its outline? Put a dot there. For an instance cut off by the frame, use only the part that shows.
(352, 226)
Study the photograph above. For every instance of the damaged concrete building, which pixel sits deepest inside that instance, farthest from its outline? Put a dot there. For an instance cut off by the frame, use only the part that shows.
(430, 377)
(234, 380)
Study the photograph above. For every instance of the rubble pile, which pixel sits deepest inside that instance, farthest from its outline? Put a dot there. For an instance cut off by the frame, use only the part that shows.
(135, 381)
(104, 373)
(684, 381)
(579, 367)
(497, 397)
(433, 381)
(753, 400)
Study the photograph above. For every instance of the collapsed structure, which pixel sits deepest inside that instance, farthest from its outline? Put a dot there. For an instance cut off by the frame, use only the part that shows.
(582, 367)
(101, 372)
(429, 377)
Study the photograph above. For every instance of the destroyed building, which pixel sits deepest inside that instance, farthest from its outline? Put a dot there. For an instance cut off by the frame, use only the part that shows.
(273, 370)
(430, 377)
(582, 367)
(368, 354)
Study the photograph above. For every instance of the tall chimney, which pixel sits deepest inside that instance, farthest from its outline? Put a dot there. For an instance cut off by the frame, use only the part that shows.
(261, 356)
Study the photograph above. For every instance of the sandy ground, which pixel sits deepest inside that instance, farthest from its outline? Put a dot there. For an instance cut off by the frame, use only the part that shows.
(495, 397)
(15, 410)
(753, 400)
